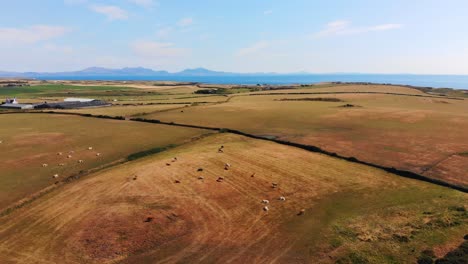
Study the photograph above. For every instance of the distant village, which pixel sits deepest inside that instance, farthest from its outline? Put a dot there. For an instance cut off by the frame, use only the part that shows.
(67, 103)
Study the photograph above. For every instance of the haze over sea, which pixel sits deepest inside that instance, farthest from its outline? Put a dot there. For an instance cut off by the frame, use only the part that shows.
(436, 81)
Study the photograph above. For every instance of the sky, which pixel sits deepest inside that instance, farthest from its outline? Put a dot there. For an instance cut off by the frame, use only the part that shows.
(359, 36)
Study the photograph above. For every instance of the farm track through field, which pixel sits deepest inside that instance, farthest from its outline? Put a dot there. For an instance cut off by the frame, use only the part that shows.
(435, 164)
(311, 148)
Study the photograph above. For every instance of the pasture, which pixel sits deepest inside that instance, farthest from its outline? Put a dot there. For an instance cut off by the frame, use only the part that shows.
(60, 90)
(117, 95)
(125, 111)
(132, 201)
(425, 135)
(166, 210)
(30, 141)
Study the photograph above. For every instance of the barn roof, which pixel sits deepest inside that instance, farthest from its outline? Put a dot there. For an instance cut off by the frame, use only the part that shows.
(72, 99)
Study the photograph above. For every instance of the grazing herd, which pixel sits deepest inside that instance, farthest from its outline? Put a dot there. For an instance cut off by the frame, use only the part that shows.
(69, 156)
(227, 166)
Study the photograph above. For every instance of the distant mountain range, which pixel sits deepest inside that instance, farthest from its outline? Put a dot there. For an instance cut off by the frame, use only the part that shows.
(138, 71)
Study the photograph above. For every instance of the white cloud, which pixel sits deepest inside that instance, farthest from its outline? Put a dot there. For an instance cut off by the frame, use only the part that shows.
(385, 27)
(154, 49)
(185, 22)
(343, 27)
(254, 48)
(334, 27)
(268, 12)
(31, 34)
(144, 3)
(111, 12)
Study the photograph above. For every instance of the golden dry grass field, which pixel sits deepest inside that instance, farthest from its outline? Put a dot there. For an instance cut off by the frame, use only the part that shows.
(425, 135)
(135, 203)
(31, 140)
(148, 212)
(126, 111)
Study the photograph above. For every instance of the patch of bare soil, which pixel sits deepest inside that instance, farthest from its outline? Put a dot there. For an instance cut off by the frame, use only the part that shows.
(442, 250)
(110, 234)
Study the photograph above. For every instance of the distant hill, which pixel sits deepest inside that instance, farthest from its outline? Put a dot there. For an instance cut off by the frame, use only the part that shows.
(137, 71)
(10, 74)
(202, 72)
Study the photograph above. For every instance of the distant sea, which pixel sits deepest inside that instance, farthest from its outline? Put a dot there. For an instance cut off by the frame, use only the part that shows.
(436, 81)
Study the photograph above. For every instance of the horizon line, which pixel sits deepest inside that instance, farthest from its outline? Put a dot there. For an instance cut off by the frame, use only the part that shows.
(230, 72)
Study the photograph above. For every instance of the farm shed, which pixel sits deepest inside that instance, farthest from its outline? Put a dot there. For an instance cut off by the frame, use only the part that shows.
(81, 100)
(72, 104)
(17, 106)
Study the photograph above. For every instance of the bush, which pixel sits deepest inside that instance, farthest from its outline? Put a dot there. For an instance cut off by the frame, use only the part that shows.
(456, 256)
(429, 253)
(148, 152)
(424, 259)
(206, 91)
(458, 208)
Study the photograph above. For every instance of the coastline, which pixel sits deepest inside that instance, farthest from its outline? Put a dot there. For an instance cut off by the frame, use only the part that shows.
(435, 81)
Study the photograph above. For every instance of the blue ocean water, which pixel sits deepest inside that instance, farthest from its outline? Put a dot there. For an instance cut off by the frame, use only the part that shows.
(436, 81)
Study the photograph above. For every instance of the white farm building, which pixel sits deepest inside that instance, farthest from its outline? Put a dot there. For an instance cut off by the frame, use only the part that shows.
(81, 100)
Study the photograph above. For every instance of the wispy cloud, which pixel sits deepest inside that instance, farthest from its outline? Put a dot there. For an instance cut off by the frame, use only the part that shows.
(183, 25)
(254, 48)
(385, 27)
(185, 22)
(110, 11)
(31, 34)
(144, 3)
(154, 49)
(267, 12)
(59, 49)
(344, 27)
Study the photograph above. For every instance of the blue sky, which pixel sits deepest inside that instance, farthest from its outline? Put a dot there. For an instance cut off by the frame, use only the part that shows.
(399, 36)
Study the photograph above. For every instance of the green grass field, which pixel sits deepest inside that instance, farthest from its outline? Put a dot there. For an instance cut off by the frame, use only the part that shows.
(122, 95)
(60, 90)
